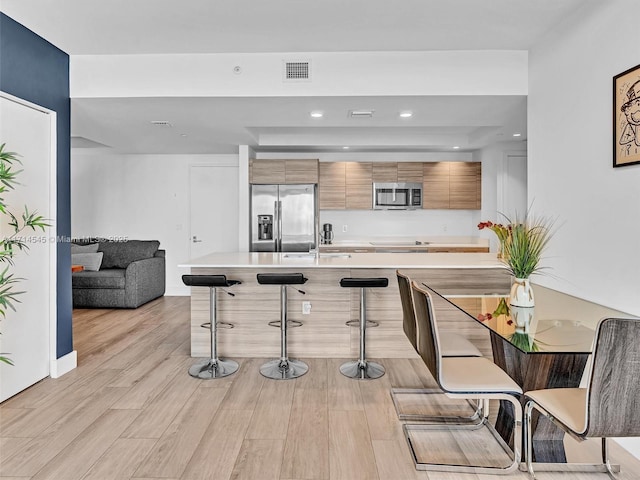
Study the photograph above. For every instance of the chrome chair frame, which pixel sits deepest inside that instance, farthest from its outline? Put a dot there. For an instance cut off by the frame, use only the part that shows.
(613, 385)
(429, 350)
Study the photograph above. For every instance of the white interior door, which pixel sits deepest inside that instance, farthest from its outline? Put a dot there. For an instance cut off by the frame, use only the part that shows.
(26, 332)
(213, 209)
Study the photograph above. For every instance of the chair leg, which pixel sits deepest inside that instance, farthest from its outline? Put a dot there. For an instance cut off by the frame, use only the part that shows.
(477, 411)
(213, 367)
(515, 454)
(605, 467)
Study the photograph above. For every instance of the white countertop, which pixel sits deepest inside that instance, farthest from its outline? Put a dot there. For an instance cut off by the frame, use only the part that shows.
(351, 260)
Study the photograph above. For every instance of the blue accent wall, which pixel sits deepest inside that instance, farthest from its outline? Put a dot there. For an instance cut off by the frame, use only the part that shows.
(35, 70)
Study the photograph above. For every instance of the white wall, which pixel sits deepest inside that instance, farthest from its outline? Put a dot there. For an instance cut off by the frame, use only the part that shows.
(137, 196)
(594, 253)
(340, 73)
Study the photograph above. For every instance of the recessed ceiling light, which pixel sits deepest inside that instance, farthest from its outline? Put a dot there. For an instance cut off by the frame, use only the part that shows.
(316, 114)
(183, 135)
(517, 134)
(406, 114)
(345, 148)
(456, 147)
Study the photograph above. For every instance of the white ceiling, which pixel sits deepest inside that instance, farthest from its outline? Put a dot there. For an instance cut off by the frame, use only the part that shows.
(218, 125)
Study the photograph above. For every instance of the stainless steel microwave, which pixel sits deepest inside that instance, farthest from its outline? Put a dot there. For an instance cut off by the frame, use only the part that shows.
(397, 196)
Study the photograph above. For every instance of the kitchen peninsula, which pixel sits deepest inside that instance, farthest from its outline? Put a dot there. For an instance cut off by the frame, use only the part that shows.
(324, 333)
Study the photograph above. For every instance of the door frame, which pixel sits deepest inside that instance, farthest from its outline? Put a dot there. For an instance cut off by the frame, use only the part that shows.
(502, 179)
(57, 367)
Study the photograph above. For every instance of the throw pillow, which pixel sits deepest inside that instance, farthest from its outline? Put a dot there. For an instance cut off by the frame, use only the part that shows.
(90, 248)
(121, 254)
(90, 261)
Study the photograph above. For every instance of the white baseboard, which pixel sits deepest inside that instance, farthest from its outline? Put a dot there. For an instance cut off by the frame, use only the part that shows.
(182, 291)
(63, 364)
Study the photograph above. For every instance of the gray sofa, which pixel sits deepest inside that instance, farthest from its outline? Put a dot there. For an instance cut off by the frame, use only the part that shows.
(131, 273)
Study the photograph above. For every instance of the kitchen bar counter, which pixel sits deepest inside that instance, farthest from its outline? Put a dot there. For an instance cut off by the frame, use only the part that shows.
(324, 333)
(350, 260)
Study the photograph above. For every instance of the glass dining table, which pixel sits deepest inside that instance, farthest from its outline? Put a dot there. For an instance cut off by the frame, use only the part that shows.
(546, 346)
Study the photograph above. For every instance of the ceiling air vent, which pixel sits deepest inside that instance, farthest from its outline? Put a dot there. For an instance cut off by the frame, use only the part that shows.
(361, 113)
(161, 123)
(297, 71)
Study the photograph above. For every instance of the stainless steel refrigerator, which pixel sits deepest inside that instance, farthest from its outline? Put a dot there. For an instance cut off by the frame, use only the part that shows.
(283, 218)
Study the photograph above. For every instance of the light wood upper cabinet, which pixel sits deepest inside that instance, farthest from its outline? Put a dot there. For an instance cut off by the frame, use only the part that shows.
(410, 172)
(465, 185)
(452, 185)
(266, 171)
(435, 185)
(385, 172)
(359, 190)
(332, 185)
(283, 171)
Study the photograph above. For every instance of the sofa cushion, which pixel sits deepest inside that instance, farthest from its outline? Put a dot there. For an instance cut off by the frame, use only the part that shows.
(107, 278)
(121, 254)
(90, 261)
(88, 248)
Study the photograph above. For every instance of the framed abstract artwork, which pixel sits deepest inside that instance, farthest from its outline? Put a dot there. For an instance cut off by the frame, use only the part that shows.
(626, 118)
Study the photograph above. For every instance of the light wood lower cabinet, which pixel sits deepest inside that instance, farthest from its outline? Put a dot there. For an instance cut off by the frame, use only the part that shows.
(324, 333)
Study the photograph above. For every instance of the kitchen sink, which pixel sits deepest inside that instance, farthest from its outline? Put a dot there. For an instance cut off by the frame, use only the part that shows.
(313, 255)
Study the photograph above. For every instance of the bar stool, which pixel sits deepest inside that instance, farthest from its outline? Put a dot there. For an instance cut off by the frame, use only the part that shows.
(361, 368)
(283, 368)
(213, 367)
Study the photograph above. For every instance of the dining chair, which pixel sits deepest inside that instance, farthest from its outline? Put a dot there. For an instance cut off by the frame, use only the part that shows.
(607, 407)
(462, 378)
(452, 344)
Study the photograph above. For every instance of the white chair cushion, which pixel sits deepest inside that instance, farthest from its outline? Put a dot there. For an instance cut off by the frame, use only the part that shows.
(569, 405)
(454, 345)
(475, 374)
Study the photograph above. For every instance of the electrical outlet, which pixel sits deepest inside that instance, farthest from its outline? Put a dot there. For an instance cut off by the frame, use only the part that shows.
(306, 308)
(444, 227)
(344, 229)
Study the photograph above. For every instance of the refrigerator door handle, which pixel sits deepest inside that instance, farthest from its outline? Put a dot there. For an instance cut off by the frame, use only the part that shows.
(278, 226)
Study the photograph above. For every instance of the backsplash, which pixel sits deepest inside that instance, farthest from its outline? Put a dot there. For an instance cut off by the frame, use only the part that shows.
(393, 223)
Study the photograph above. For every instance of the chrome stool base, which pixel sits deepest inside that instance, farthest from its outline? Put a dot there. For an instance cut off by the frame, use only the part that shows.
(210, 369)
(284, 369)
(362, 370)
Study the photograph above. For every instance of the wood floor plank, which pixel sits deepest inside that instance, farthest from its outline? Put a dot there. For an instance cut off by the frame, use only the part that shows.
(74, 460)
(306, 453)
(259, 459)
(9, 446)
(150, 386)
(121, 460)
(141, 367)
(171, 454)
(393, 461)
(53, 440)
(246, 385)
(216, 454)
(271, 414)
(160, 412)
(36, 420)
(351, 454)
(378, 406)
(344, 393)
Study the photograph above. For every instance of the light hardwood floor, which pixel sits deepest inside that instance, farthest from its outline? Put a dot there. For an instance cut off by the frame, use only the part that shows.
(131, 411)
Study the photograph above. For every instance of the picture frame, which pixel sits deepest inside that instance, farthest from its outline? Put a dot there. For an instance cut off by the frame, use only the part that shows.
(626, 118)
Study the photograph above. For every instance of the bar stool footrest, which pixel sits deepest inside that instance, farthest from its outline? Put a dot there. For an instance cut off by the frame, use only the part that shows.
(290, 323)
(284, 369)
(362, 370)
(213, 368)
(356, 323)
